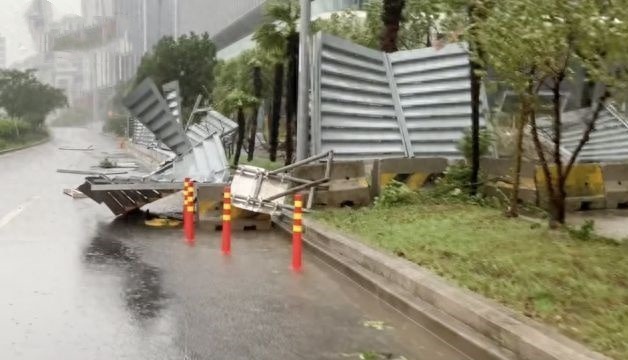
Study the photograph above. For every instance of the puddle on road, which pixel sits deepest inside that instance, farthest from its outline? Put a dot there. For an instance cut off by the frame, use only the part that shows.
(142, 283)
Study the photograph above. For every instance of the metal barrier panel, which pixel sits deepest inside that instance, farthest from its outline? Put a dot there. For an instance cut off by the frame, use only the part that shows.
(213, 123)
(353, 112)
(608, 142)
(367, 104)
(151, 109)
(141, 135)
(434, 90)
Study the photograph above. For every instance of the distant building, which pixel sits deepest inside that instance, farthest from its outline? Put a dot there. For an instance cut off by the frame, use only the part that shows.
(3, 52)
(39, 17)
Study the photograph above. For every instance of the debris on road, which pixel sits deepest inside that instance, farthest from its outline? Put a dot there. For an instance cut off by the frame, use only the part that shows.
(89, 148)
(107, 164)
(163, 223)
(377, 325)
(126, 165)
(87, 172)
(75, 194)
(370, 355)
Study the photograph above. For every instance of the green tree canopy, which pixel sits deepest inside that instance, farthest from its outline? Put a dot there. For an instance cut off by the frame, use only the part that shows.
(23, 96)
(190, 59)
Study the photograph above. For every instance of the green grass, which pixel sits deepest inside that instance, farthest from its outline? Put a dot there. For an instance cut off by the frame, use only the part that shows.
(580, 287)
(259, 162)
(23, 140)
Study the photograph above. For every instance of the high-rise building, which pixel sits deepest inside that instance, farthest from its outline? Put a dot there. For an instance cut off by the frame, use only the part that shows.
(39, 18)
(3, 52)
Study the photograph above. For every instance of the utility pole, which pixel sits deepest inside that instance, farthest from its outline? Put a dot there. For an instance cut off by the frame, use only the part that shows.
(145, 24)
(303, 106)
(176, 19)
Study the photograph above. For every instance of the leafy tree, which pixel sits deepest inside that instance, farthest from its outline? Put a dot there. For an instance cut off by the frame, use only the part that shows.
(535, 45)
(279, 35)
(24, 97)
(190, 59)
(350, 26)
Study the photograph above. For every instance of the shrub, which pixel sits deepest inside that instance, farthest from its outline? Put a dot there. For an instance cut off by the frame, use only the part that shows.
(9, 129)
(466, 145)
(395, 193)
(585, 232)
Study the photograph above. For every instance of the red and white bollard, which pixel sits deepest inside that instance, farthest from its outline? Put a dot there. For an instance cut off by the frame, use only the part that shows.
(226, 222)
(297, 233)
(188, 210)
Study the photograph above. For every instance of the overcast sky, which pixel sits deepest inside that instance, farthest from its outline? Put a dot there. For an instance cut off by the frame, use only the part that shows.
(13, 26)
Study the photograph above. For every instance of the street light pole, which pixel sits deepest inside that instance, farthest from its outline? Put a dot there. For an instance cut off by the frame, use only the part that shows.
(303, 106)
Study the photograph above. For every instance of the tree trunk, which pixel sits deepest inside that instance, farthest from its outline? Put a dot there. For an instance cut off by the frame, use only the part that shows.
(17, 128)
(275, 115)
(392, 15)
(514, 201)
(291, 93)
(560, 195)
(476, 85)
(241, 135)
(257, 88)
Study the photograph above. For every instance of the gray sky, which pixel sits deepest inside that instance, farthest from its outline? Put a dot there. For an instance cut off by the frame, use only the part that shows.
(13, 26)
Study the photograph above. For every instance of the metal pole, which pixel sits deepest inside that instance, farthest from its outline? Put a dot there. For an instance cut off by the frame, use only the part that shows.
(94, 71)
(145, 24)
(303, 107)
(176, 19)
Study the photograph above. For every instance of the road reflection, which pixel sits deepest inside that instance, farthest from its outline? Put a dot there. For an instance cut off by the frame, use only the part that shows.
(143, 292)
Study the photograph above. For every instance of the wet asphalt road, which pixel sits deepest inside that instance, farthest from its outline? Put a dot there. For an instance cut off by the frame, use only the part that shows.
(74, 284)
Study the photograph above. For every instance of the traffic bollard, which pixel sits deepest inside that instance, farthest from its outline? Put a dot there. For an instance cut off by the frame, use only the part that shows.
(297, 233)
(188, 210)
(226, 222)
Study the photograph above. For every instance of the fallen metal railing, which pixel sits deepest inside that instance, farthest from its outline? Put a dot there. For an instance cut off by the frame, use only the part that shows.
(260, 190)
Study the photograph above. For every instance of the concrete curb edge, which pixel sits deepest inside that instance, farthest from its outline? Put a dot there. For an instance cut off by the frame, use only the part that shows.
(516, 336)
(27, 146)
(443, 326)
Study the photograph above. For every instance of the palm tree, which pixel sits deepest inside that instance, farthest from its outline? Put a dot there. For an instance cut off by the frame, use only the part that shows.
(279, 36)
(257, 92)
(392, 16)
(240, 102)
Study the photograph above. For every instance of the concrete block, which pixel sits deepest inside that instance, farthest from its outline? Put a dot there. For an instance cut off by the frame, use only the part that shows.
(414, 172)
(584, 186)
(615, 185)
(339, 170)
(504, 168)
(353, 192)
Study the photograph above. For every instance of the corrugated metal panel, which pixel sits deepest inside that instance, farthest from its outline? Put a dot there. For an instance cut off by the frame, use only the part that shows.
(367, 104)
(353, 111)
(213, 123)
(151, 109)
(435, 96)
(141, 135)
(608, 142)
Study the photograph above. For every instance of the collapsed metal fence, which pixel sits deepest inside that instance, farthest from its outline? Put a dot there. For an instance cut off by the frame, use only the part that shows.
(369, 104)
(608, 141)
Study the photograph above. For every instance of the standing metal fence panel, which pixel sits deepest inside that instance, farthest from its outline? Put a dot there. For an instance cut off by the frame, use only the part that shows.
(367, 104)
(435, 93)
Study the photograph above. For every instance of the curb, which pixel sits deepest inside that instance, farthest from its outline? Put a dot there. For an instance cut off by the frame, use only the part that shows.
(477, 326)
(27, 146)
